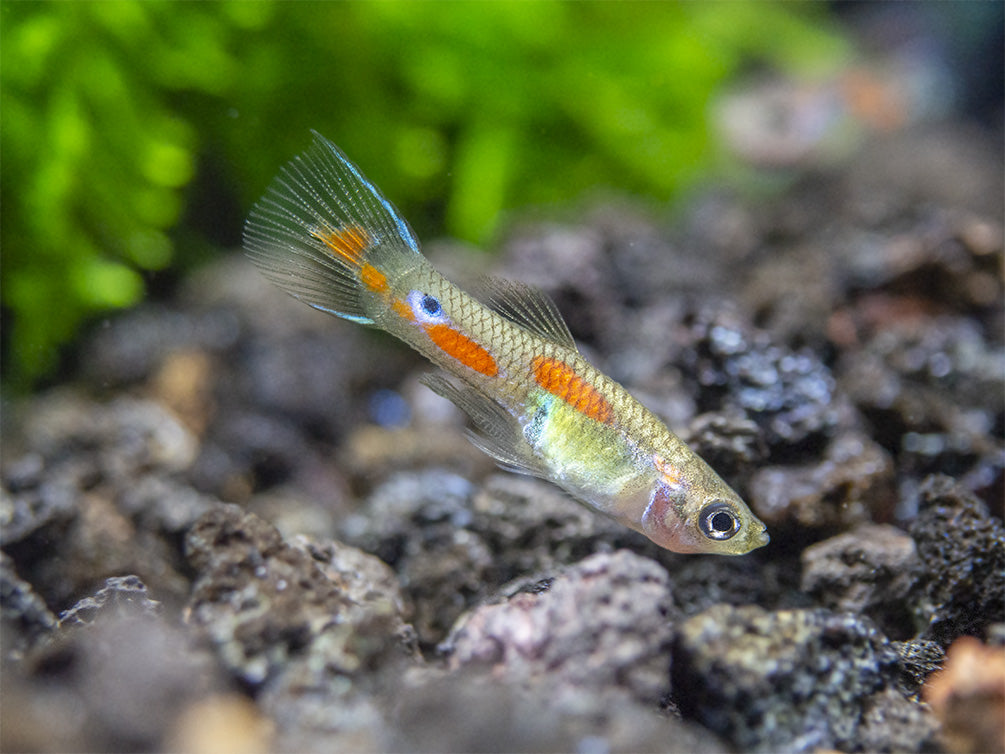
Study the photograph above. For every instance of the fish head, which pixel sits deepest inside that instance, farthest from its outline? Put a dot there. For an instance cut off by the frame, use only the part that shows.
(692, 510)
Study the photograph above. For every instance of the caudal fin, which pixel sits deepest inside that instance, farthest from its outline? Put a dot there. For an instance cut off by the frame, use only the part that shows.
(316, 227)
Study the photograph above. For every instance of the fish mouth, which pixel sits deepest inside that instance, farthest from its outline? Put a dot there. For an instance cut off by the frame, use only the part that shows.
(761, 538)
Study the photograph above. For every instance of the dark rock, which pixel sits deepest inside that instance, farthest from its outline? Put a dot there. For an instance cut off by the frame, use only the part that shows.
(164, 503)
(264, 604)
(335, 714)
(604, 622)
(25, 510)
(789, 394)
(124, 670)
(118, 591)
(464, 712)
(728, 442)
(532, 524)
(962, 549)
(869, 570)
(26, 619)
(911, 364)
(851, 486)
(793, 680)
(310, 625)
(893, 723)
(919, 658)
(96, 542)
(452, 546)
(131, 348)
(421, 524)
(703, 581)
(570, 264)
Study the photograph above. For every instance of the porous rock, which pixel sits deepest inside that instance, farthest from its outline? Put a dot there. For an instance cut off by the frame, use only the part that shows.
(962, 549)
(792, 680)
(870, 570)
(605, 621)
(789, 394)
(117, 591)
(469, 711)
(453, 543)
(103, 480)
(851, 485)
(123, 668)
(262, 602)
(26, 619)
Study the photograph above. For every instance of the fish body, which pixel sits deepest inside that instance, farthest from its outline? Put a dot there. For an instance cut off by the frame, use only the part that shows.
(327, 236)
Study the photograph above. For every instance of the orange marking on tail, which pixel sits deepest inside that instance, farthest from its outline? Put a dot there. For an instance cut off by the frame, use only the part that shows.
(558, 379)
(403, 310)
(462, 348)
(373, 278)
(346, 244)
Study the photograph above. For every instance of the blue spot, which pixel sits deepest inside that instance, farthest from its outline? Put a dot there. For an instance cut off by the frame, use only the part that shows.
(431, 306)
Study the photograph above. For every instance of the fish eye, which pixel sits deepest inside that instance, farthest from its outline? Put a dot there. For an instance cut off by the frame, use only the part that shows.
(717, 521)
(430, 305)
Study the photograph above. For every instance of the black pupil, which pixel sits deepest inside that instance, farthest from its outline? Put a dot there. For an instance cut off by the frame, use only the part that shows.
(430, 305)
(722, 522)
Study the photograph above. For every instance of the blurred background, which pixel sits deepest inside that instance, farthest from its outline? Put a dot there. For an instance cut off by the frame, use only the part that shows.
(136, 136)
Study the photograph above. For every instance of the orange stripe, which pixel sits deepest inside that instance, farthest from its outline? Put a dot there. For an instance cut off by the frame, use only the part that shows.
(347, 244)
(463, 349)
(558, 379)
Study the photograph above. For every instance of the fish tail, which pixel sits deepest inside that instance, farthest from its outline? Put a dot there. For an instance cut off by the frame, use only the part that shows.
(326, 235)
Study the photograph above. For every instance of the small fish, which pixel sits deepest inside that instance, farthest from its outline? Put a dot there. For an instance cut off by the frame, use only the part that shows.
(328, 237)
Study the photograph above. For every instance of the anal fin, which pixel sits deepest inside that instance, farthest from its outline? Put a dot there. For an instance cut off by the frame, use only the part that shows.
(497, 433)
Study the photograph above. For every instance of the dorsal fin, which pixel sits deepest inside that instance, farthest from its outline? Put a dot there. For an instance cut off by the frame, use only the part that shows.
(528, 307)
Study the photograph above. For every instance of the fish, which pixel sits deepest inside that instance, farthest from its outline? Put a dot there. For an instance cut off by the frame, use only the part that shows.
(327, 236)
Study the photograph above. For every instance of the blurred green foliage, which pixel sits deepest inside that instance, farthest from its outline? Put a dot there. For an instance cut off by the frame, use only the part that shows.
(112, 110)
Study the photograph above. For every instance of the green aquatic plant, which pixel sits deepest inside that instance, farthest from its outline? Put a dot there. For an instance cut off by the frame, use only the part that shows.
(127, 125)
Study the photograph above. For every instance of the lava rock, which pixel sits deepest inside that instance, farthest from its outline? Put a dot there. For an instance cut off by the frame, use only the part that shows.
(703, 581)
(263, 603)
(852, 485)
(453, 544)
(130, 348)
(793, 680)
(919, 376)
(919, 658)
(892, 722)
(604, 622)
(789, 394)
(85, 480)
(962, 548)
(26, 619)
(117, 591)
(869, 570)
(465, 712)
(125, 670)
(728, 442)
(421, 525)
